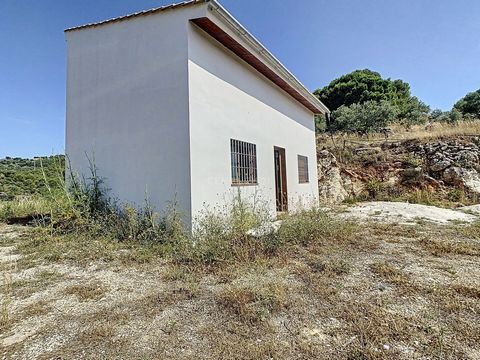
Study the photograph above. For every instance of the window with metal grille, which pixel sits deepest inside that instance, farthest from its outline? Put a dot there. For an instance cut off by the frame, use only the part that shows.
(244, 162)
(302, 169)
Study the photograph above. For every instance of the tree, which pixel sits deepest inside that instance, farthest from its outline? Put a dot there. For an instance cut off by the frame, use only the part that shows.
(436, 114)
(455, 116)
(370, 116)
(452, 117)
(413, 111)
(470, 104)
(361, 86)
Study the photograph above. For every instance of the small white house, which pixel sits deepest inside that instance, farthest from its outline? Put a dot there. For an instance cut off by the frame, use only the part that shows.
(183, 102)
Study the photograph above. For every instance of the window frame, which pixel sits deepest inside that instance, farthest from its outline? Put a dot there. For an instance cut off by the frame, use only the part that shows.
(243, 163)
(303, 171)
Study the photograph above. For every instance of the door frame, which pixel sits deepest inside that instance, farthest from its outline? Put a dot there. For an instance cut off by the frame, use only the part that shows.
(280, 174)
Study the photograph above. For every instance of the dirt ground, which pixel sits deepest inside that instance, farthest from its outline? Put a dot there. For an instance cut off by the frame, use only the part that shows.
(395, 292)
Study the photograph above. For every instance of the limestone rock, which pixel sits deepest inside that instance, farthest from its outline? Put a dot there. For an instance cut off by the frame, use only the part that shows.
(468, 178)
(440, 165)
(412, 175)
(330, 181)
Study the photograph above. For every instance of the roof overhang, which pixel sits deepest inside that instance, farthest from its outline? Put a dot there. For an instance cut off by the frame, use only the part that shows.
(232, 35)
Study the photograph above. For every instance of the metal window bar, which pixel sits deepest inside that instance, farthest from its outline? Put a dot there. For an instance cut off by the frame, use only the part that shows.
(243, 162)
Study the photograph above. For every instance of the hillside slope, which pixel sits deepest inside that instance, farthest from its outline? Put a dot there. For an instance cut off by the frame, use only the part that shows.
(27, 176)
(442, 171)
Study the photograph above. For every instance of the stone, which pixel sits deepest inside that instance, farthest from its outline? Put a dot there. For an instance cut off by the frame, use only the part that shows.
(467, 159)
(412, 175)
(468, 178)
(352, 185)
(453, 176)
(471, 181)
(330, 182)
(367, 150)
(440, 165)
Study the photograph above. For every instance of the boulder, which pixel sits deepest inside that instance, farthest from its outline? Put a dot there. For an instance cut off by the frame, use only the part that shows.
(453, 175)
(467, 159)
(412, 175)
(440, 165)
(468, 178)
(330, 183)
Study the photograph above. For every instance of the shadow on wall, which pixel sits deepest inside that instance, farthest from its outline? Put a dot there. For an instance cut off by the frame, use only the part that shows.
(204, 51)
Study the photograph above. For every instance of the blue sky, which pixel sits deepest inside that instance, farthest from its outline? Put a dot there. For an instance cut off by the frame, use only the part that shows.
(432, 44)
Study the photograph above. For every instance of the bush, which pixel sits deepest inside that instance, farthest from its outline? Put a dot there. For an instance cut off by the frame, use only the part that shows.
(363, 86)
(451, 117)
(470, 104)
(313, 226)
(254, 302)
(368, 117)
(240, 233)
(229, 235)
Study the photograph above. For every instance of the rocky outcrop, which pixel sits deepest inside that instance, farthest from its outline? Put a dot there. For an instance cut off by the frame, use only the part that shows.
(398, 167)
(330, 183)
(468, 178)
(454, 162)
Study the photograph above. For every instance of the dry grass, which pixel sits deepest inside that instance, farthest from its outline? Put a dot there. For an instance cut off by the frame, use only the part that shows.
(417, 132)
(375, 292)
(390, 273)
(39, 308)
(468, 291)
(444, 247)
(5, 302)
(254, 302)
(24, 206)
(86, 292)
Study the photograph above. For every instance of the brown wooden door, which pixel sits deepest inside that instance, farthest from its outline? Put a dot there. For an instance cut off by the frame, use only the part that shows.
(280, 179)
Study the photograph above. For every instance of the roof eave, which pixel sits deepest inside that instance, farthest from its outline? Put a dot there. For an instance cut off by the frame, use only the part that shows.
(266, 55)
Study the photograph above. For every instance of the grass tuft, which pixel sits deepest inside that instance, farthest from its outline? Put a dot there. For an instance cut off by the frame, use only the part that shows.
(86, 292)
(253, 302)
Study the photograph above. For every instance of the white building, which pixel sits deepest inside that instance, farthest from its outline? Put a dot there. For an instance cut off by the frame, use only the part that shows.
(181, 101)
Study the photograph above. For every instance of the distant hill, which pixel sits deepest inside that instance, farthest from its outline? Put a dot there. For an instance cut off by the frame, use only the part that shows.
(20, 176)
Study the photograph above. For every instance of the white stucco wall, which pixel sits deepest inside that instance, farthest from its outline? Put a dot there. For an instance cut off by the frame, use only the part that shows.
(229, 99)
(127, 103)
(156, 101)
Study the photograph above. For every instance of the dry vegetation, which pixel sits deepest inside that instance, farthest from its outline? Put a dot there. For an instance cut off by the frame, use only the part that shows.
(379, 169)
(92, 281)
(436, 130)
(339, 291)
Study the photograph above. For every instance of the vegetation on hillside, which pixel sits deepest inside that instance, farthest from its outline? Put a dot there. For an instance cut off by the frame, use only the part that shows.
(470, 105)
(30, 176)
(364, 102)
(369, 116)
(349, 92)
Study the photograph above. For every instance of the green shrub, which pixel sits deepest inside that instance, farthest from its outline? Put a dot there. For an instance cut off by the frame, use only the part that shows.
(470, 104)
(367, 117)
(221, 236)
(313, 226)
(362, 86)
(374, 187)
(22, 177)
(452, 117)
